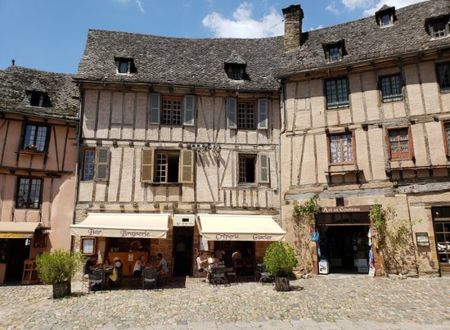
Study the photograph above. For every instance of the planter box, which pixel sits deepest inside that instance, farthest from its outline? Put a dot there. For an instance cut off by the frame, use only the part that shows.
(61, 290)
(282, 284)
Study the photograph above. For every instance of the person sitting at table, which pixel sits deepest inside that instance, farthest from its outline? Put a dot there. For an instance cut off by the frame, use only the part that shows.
(116, 275)
(162, 265)
(138, 266)
(89, 265)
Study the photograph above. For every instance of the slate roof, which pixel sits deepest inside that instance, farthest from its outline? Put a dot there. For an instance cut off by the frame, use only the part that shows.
(180, 61)
(200, 62)
(15, 81)
(365, 40)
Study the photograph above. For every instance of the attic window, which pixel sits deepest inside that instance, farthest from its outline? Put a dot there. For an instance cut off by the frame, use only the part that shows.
(125, 65)
(334, 52)
(439, 27)
(235, 71)
(39, 99)
(385, 16)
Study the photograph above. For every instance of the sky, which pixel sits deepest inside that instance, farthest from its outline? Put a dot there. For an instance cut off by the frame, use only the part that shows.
(51, 34)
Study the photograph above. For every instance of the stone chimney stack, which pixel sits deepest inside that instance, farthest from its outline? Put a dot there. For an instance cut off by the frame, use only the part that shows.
(293, 18)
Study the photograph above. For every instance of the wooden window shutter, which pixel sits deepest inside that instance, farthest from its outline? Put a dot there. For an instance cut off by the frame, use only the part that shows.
(147, 161)
(263, 113)
(154, 108)
(102, 164)
(264, 168)
(187, 166)
(189, 110)
(231, 112)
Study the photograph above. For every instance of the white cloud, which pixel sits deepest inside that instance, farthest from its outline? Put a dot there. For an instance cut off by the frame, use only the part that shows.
(243, 25)
(138, 4)
(396, 3)
(316, 28)
(354, 4)
(332, 8)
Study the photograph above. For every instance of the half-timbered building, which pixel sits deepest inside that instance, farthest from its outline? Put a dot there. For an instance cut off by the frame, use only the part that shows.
(38, 127)
(179, 148)
(366, 121)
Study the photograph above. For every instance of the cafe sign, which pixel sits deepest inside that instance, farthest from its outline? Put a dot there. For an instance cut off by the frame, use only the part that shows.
(121, 233)
(243, 237)
(346, 209)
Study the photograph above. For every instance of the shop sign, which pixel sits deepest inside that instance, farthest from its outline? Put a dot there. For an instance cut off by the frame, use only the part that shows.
(262, 237)
(186, 220)
(346, 209)
(16, 235)
(227, 237)
(422, 239)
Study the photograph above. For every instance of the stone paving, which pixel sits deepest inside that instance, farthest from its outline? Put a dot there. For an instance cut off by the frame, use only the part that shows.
(334, 302)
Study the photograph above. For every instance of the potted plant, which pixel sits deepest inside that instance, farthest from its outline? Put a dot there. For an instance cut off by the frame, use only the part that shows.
(280, 260)
(58, 268)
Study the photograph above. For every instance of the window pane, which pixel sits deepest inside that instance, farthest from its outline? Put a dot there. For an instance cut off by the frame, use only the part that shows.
(334, 54)
(22, 193)
(35, 193)
(123, 66)
(171, 112)
(41, 138)
(246, 115)
(444, 75)
(385, 20)
(30, 135)
(88, 165)
(161, 167)
(341, 148)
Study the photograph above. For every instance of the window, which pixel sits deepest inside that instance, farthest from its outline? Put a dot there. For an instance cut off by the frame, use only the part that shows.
(385, 16)
(391, 88)
(28, 193)
(336, 91)
(247, 164)
(447, 137)
(166, 166)
(341, 148)
(88, 245)
(246, 115)
(35, 138)
(439, 28)
(235, 71)
(443, 75)
(88, 165)
(334, 51)
(38, 99)
(171, 110)
(399, 143)
(125, 65)
(385, 20)
(334, 54)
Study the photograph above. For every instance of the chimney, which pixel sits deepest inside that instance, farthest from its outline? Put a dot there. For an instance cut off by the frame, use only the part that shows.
(293, 17)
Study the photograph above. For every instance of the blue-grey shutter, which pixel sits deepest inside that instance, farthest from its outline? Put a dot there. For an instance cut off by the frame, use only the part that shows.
(263, 110)
(154, 108)
(231, 112)
(264, 169)
(189, 110)
(101, 164)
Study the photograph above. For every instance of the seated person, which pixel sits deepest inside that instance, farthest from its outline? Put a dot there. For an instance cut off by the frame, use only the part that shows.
(116, 275)
(89, 265)
(138, 267)
(202, 262)
(162, 268)
(212, 261)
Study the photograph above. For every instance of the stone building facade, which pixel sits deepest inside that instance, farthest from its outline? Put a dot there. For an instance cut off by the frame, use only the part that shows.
(365, 121)
(181, 129)
(38, 127)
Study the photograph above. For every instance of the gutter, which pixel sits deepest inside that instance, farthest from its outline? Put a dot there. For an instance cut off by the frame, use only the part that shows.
(282, 131)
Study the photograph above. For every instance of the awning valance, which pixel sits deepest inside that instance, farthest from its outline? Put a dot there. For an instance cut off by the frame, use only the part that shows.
(126, 225)
(225, 227)
(18, 229)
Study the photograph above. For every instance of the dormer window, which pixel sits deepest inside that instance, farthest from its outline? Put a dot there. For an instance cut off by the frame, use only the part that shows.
(38, 99)
(125, 65)
(385, 16)
(235, 71)
(439, 27)
(335, 51)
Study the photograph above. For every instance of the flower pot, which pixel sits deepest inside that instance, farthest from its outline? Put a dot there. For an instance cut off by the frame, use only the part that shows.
(61, 290)
(282, 284)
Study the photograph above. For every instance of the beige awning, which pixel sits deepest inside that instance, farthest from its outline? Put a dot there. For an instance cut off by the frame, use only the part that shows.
(18, 229)
(224, 227)
(126, 225)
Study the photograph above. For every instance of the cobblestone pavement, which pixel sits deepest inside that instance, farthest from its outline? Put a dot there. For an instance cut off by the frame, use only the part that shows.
(335, 302)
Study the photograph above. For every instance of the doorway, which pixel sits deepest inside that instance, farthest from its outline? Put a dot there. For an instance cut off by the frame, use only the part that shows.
(17, 251)
(182, 250)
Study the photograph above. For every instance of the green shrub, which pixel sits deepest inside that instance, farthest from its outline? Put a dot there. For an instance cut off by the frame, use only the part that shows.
(58, 266)
(279, 259)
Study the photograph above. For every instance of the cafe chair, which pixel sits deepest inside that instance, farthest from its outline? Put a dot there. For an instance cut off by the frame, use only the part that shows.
(231, 275)
(262, 276)
(149, 277)
(96, 280)
(217, 276)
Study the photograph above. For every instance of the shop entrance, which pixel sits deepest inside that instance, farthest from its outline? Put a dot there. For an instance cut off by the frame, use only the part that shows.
(344, 242)
(14, 252)
(441, 224)
(237, 254)
(182, 250)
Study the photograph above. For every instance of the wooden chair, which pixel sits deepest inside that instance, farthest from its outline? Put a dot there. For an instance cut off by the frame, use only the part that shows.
(149, 277)
(29, 275)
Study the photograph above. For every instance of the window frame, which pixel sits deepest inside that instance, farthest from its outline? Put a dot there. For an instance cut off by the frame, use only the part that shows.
(381, 21)
(446, 136)
(256, 172)
(437, 34)
(131, 67)
(24, 132)
(353, 148)
(338, 104)
(441, 85)
(252, 102)
(27, 204)
(409, 155)
(391, 97)
(44, 99)
(171, 98)
(165, 152)
(83, 162)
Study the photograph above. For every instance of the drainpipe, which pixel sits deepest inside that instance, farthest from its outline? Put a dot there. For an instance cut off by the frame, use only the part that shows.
(282, 131)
